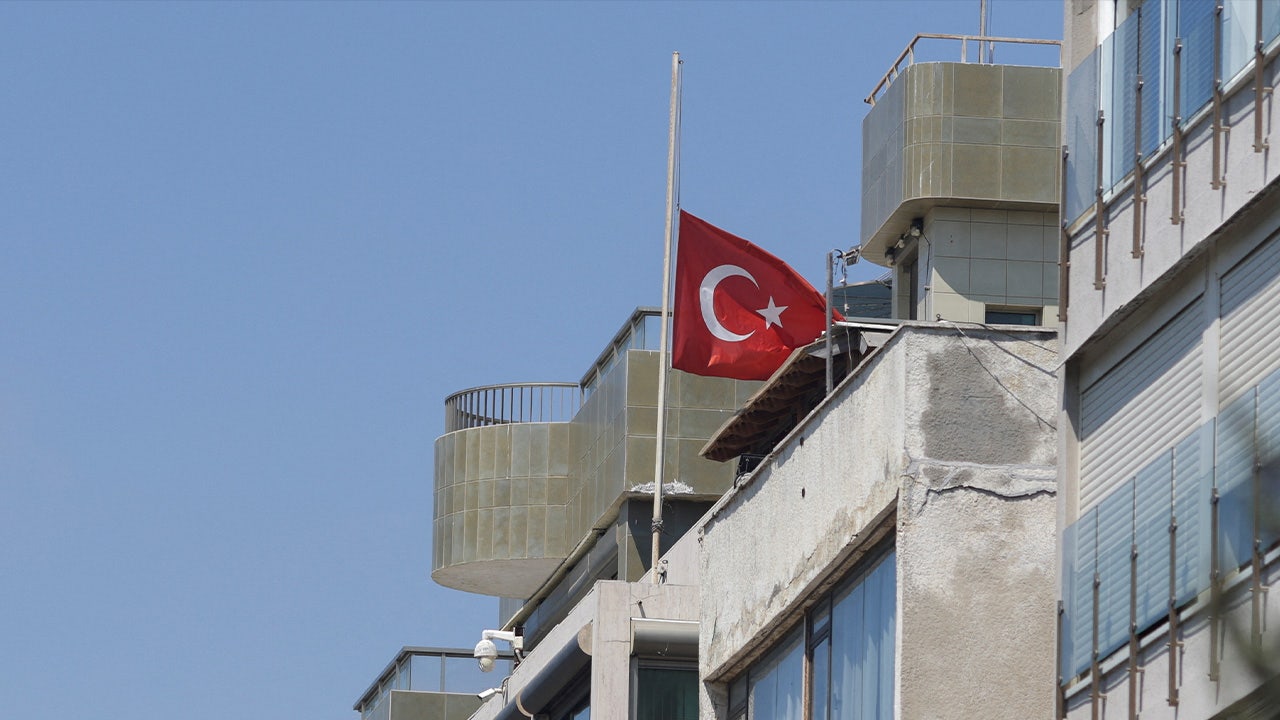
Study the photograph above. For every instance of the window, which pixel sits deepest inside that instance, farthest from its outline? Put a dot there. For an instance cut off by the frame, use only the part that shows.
(665, 692)
(845, 646)
(997, 316)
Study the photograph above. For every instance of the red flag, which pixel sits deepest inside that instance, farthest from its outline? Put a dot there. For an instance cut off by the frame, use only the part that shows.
(739, 311)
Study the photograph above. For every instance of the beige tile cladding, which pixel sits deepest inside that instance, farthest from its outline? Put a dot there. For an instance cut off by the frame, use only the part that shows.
(530, 491)
(952, 130)
(499, 495)
(996, 258)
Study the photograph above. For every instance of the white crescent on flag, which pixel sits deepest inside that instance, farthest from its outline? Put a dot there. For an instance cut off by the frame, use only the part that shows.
(707, 296)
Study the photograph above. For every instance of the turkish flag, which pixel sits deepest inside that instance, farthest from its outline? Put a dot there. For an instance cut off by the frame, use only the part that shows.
(739, 311)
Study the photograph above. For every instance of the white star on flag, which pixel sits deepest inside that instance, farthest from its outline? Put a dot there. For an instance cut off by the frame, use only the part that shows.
(772, 315)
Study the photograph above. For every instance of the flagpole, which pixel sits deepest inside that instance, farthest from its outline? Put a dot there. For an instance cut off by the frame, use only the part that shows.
(830, 282)
(663, 358)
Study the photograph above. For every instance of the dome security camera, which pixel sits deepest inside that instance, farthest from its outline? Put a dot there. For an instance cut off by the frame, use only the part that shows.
(486, 653)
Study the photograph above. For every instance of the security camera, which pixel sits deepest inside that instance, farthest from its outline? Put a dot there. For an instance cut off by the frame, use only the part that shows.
(486, 652)
(486, 694)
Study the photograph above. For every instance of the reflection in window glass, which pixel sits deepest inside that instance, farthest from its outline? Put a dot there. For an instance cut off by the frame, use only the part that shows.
(776, 685)
(862, 646)
(851, 669)
(463, 675)
(1013, 317)
(667, 694)
(652, 332)
(424, 673)
(821, 680)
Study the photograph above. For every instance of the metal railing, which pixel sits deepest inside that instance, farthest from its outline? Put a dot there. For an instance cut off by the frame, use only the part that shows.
(427, 669)
(908, 55)
(511, 403)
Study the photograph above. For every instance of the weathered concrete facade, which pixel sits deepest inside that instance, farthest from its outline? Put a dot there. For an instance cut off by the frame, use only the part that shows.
(942, 444)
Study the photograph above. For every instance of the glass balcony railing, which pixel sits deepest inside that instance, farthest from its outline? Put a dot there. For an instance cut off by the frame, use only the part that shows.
(1161, 66)
(438, 670)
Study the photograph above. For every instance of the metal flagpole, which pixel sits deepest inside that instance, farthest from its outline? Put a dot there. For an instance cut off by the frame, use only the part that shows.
(663, 359)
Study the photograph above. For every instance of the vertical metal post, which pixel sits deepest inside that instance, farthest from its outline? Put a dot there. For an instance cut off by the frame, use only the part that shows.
(1095, 666)
(1215, 590)
(659, 458)
(830, 360)
(1174, 644)
(1064, 243)
(1059, 692)
(1139, 189)
(1259, 90)
(1134, 669)
(1175, 155)
(1218, 179)
(1099, 217)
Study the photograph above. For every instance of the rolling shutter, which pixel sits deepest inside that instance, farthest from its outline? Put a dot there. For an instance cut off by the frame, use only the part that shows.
(1250, 347)
(1141, 407)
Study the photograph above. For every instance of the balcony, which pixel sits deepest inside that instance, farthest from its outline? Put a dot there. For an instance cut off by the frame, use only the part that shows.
(429, 684)
(958, 134)
(525, 472)
(506, 452)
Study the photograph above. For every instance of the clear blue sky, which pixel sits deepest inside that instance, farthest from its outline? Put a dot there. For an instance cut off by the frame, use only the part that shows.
(247, 250)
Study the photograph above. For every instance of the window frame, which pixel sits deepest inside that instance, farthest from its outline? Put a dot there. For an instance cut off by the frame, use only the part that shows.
(815, 632)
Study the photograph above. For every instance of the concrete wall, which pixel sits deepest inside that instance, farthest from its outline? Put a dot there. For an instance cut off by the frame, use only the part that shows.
(599, 624)
(774, 538)
(976, 564)
(943, 440)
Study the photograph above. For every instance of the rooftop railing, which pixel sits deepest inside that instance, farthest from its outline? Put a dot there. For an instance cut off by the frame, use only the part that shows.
(423, 669)
(988, 42)
(511, 403)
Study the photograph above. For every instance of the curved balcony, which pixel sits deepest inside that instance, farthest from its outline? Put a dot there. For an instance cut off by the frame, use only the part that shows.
(501, 487)
(490, 405)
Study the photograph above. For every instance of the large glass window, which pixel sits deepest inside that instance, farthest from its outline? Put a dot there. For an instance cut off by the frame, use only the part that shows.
(845, 647)
(666, 693)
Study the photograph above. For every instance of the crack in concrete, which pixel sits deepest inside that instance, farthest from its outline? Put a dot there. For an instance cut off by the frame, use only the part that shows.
(1005, 482)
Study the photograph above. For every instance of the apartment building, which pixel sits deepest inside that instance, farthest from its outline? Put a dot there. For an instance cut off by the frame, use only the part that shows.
(1169, 420)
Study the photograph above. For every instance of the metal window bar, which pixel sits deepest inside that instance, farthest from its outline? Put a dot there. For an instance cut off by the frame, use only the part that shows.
(1219, 177)
(1134, 669)
(1259, 89)
(1173, 644)
(1099, 222)
(1064, 244)
(1176, 162)
(1259, 590)
(1139, 189)
(1215, 588)
(1095, 662)
(1060, 694)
